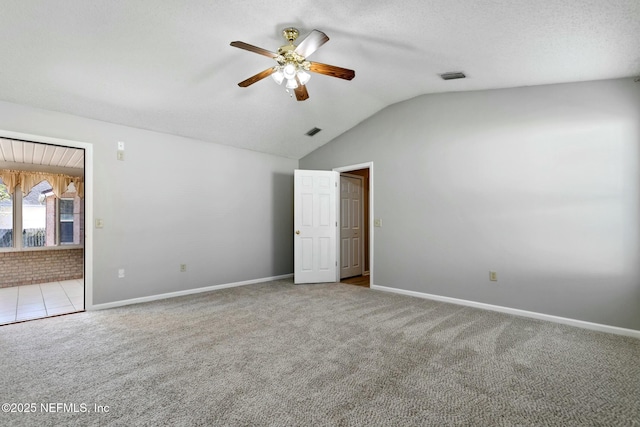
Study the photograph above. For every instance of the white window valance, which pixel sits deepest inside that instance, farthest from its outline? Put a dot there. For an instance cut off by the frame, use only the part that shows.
(26, 180)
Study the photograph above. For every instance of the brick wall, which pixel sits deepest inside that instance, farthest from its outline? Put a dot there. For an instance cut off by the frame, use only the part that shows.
(31, 267)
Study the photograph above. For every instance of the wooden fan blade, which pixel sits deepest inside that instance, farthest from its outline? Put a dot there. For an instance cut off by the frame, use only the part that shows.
(252, 48)
(311, 43)
(261, 75)
(332, 70)
(301, 91)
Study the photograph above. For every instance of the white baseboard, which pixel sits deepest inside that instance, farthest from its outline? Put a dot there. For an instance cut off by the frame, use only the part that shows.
(185, 292)
(532, 314)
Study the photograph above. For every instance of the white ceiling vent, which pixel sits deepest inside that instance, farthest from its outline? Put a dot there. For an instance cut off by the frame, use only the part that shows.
(453, 75)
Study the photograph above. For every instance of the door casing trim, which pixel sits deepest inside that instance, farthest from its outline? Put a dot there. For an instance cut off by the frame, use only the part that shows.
(349, 168)
(88, 200)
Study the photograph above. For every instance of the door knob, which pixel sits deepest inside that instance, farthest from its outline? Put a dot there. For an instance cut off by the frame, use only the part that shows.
(297, 231)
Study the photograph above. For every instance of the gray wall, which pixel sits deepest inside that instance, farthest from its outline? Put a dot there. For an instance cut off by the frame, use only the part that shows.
(540, 184)
(225, 212)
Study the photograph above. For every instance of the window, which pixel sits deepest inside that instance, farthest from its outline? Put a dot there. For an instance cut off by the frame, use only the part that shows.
(6, 217)
(40, 219)
(36, 230)
(66, 221)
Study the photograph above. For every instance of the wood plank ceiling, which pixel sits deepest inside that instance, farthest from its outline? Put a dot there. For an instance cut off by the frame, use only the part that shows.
(16, 151)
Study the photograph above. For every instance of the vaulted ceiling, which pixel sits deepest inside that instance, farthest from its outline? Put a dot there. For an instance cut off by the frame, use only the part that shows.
(168, 66)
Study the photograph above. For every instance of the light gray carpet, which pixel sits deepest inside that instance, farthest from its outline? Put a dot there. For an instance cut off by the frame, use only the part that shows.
(280, 354)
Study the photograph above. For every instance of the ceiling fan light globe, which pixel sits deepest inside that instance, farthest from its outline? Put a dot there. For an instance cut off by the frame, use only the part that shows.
(292, 84)
(304, 77)
(289, 71)
(278, 77)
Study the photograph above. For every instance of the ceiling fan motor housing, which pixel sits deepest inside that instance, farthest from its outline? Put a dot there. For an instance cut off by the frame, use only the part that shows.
(291, 34)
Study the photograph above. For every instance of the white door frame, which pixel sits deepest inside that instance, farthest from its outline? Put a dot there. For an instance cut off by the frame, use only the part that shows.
(349, 168)
(360, 220)
(88, 201)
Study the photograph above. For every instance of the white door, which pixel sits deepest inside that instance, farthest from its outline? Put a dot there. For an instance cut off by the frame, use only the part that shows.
(351, 219)
(315, 223)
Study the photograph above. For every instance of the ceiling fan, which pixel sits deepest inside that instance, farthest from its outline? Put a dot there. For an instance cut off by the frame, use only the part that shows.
(292, 64)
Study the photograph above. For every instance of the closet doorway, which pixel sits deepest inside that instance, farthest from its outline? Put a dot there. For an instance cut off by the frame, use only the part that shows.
(350, 215)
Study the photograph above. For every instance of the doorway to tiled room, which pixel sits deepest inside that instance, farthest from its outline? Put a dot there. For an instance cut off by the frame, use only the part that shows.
(27, 302)
(41, 230)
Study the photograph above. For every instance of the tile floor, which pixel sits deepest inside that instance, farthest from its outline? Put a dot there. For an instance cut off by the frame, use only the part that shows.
(36, 301)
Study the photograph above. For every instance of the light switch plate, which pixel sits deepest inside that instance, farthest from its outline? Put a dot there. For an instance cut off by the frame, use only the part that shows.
(99, 223)
(377, 222)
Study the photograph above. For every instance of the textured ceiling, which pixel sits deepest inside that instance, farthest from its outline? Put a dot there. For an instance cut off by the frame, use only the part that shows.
(167, 65)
